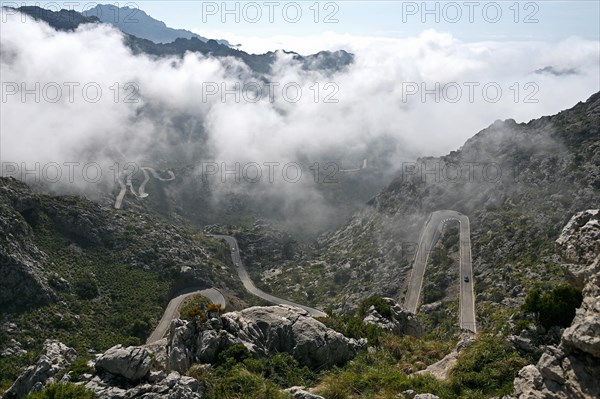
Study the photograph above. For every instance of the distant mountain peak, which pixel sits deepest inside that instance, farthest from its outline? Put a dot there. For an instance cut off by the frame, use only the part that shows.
(137, 22)
(261, 63)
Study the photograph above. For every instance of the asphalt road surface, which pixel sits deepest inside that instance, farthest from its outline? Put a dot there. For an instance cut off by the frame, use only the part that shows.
(249, 285)
(429, 236)
(172, 310)
(142, 190)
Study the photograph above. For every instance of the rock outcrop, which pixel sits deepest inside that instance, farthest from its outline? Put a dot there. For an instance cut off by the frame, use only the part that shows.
(55, 359)
(584, 333)
(300, 393)
(400, 321)
(410, 394)
(264, 331)
(132, 363)
(120, 373)
(579, 246)
(441, 368)
(24, 278)
(156, 385)
(572, 369)
(130, 372)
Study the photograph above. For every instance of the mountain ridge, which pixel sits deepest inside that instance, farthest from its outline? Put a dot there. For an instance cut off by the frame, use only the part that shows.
(550, 170)
(69, 20)
(137, 22)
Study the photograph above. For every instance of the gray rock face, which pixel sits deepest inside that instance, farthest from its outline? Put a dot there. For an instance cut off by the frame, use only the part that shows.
(413, 395)
(579, 245)
(132, 363)
(579, 241)
(572, 370)
(525, 341)
(584, 332)
(24, 279)
(401, 321)
(121, 373)
(158, 385)
(441, 369)
(522, 343)
(559, 374)
(264, 331)
(55, 359)
(300, 393)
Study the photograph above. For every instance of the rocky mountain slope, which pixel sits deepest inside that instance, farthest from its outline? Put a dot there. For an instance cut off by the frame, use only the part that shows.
(213, 347)
(97, 277)
(518, 184)
(572, 368)
(136, 22)
(158, 370)
(90, 275)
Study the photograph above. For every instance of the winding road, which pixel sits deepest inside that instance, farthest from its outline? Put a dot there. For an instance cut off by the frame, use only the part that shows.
(128, 174)
(363, 166)
(249, 285)
(172, 310)
(429, 236)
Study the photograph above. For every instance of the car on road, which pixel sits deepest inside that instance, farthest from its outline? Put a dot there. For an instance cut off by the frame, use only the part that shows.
(233, 248)
(466, 279)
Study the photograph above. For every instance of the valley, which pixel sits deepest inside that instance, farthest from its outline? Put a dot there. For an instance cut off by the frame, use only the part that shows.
(299, 211)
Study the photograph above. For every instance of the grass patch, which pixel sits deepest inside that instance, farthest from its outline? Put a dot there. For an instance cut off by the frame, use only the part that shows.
(353, 327)
(62, 391)
(192, 305)
(485, 369)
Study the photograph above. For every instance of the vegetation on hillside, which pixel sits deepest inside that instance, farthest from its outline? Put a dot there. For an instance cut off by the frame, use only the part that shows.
(239, 374)
(62, 391)
(112, 274)
(485, 369)
(553, 308)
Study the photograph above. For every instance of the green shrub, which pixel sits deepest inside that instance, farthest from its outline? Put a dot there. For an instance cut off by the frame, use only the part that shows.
(375, 376)
(141, 328)
(239, 374)
(413, 354)
(520, 325)
(12, 366)
(554, 308)
(284, 370)
(233, 355)
(381, 306)
(489, 366)
(194, 313)
(78, 368)
(62, 391)
(485, 369)
(434, 293)
(341, 277)
(195, 303)
(353, 327)
(205, 374)
(214, 307)
(86, 288)
(239, 383)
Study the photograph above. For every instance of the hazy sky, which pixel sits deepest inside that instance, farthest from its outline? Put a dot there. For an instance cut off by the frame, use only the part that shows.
(266, 25)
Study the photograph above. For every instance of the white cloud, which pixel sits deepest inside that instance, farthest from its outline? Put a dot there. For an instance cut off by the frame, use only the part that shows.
(370, 108)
